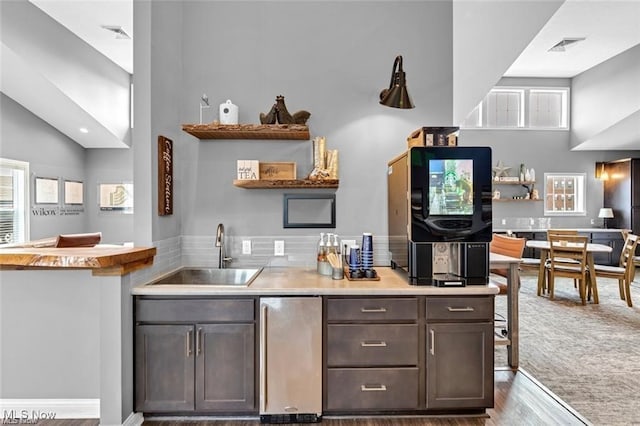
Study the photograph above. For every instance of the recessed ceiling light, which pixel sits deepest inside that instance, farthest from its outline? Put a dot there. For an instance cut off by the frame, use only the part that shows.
(84, 130)
(562, 45)
(118, 31)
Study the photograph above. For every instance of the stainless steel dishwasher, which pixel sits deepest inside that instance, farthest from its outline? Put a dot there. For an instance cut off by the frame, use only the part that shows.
(290, 359)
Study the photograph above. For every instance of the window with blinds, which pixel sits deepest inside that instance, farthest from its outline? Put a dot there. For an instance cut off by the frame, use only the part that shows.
(14, 201)
(521, 108)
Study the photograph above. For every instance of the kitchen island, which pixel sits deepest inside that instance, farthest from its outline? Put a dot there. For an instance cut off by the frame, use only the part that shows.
(66, 330)
(387, 347)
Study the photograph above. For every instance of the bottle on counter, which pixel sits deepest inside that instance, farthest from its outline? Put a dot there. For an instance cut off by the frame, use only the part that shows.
(322, 249)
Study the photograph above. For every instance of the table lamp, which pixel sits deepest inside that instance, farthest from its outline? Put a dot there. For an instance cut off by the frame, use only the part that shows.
(605, 213)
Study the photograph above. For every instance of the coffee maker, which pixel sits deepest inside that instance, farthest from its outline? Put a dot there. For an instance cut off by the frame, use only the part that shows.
(440, 214)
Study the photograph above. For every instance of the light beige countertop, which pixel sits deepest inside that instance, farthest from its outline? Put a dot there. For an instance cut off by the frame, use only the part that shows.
(307, 282)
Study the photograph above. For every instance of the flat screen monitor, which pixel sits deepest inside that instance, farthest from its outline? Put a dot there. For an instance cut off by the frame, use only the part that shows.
(450, 194)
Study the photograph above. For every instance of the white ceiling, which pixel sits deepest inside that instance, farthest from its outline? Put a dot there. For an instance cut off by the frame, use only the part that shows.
(608, 26)
(85, 19)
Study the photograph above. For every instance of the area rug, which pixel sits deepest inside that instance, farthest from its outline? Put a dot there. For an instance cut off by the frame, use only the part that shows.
(589, 356)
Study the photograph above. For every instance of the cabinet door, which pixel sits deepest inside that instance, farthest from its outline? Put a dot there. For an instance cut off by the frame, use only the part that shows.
(225, 367)
(611, 239)
(164, 368)
(460, 365)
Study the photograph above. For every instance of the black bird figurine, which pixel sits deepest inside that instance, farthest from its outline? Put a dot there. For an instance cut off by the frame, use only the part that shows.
(280, 114)
(270, 117)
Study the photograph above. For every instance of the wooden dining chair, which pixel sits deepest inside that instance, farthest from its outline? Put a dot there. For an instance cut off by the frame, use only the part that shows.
(623, 272)
(568, 258)
(506, 246)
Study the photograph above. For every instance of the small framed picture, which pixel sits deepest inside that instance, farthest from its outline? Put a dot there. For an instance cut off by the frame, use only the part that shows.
(73, 192)
(116, 197)
(46, 190)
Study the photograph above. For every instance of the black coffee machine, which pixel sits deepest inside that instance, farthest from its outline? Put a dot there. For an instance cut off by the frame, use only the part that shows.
(440, 214)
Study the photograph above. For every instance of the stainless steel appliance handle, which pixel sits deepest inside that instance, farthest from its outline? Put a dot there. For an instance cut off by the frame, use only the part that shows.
(379, 344)
(373, 388)
(198, 341)
(263, 358)
(189, 343)
(467, 309)
(432, 346)
(373, 310)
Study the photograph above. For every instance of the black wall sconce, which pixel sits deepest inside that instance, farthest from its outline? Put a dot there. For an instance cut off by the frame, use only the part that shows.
(396, 96)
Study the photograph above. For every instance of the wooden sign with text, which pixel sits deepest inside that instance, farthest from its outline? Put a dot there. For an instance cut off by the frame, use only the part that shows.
(165, 176)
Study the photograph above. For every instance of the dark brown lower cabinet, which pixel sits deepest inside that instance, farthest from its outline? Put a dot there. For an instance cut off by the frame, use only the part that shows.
(199, 367)
(460, 358)
(457, 368)
(414, 354)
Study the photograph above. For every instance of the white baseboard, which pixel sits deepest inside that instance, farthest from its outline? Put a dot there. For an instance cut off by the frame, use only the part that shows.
(33, 409)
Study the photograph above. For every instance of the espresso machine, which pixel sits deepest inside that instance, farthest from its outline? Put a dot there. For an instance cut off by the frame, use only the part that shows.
(440, 214)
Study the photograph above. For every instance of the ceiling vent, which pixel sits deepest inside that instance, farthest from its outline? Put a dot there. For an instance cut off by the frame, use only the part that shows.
(118, 31)
(562, 46)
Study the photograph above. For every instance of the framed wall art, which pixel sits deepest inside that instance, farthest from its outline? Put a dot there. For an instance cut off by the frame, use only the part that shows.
(116, 197)
(73, 192)
(46, 190)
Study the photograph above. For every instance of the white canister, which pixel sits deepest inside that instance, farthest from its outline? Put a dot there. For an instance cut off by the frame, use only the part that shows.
(228, 113)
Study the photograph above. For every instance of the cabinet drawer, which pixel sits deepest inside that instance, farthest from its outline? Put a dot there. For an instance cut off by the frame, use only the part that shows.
(372, 309)
(193, 310)
(459, 308)
(376, 389)
(372, 344)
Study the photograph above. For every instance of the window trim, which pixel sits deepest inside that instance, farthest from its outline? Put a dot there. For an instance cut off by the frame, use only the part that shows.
(24, 209)
(525, 102)
(579, 193)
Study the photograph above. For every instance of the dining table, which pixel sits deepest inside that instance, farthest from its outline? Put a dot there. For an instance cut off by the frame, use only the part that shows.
(544, 247)
(499, 261)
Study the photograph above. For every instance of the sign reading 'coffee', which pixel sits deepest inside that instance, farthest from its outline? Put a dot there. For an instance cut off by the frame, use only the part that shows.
(165, 176)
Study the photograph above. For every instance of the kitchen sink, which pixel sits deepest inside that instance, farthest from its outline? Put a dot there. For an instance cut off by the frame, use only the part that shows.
(210, 276)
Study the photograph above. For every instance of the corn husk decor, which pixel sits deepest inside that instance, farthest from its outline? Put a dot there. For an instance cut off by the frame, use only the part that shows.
(325, 162)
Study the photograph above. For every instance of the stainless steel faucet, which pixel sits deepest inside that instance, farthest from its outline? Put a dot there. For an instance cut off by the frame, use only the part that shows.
(222, 256)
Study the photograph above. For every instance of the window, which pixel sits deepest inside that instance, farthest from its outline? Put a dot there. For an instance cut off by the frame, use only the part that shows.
(505, 108)
(564, 194)
(14, 201)
(522, 108)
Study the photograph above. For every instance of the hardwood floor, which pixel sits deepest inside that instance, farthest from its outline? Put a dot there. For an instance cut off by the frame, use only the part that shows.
(519, 400)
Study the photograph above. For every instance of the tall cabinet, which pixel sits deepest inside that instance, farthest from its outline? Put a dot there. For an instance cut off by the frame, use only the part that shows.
(622, 193)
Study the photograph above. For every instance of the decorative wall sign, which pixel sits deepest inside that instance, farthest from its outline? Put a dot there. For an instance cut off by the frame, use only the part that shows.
(165, 176)
(46, 190)
(73, 192)
(116, 197)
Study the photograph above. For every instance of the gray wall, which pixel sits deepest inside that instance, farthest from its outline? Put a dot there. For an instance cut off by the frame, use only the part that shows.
(56, 353)
(330, 58)
(26, 137)
(50, 154)
(605, 101)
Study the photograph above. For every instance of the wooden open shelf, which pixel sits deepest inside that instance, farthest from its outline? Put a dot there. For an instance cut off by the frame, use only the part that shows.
(286, 183)
(510, 200)
(497, 182)
(248, 131)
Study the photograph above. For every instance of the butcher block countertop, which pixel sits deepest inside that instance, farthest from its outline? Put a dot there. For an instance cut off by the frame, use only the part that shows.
(307, 282)
(101, 259)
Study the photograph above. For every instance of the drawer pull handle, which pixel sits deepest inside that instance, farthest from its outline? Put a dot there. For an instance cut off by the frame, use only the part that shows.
(467, 309)
(373, 310)
(189, 343)
(432, 347)
(373, 388)
(380, 344)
